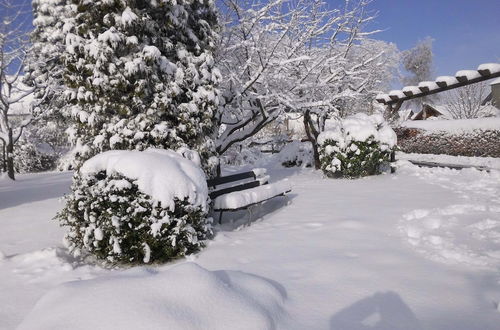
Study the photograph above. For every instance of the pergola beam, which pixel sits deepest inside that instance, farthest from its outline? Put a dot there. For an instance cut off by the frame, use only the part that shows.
(461, 78)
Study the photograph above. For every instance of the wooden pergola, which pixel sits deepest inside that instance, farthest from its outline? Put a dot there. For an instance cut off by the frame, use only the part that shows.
(395, 98)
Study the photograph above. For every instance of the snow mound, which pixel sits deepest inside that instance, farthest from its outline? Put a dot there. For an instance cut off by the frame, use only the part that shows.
(161, 174)
(186, 296)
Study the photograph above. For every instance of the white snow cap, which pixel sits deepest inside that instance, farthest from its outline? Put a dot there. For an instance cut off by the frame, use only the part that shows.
(128, 16)
(429, 84)
(185, 296)
(449, 80)
(384, 97)
(413, 89)
(161, 174)
(359, 127)
(469, 74)
(398, 93)
(492, 67)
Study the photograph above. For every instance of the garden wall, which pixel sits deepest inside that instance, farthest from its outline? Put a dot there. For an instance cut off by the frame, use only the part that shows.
(473, 137)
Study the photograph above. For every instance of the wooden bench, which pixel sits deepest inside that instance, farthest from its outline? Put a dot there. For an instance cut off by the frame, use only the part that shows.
(242, 190)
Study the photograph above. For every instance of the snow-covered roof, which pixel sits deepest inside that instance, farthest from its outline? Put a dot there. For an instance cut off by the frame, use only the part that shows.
(495, 81)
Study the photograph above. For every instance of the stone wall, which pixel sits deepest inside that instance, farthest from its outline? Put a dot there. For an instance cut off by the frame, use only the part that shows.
(478, 142)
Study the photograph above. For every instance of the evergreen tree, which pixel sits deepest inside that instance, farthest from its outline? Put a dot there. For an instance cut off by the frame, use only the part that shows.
(139, 74)
(44, 68)
(44, 65)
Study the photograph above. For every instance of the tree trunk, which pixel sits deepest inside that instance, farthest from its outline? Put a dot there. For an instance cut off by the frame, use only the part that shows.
(4, 158)
(312, 134)
(10, 156)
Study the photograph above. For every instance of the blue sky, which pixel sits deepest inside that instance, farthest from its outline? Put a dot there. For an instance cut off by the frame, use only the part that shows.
(466, 33)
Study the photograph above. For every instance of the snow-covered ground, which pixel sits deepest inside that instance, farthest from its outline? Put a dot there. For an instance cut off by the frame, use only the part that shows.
(419, 249)
(487, 162)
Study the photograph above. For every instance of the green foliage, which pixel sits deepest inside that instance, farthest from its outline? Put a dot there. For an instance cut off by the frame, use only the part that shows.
(354, 160)
(141, 74)
(108, 217)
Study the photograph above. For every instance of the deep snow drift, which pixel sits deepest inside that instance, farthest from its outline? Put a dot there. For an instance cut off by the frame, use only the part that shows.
(184, 297)
(414, 250)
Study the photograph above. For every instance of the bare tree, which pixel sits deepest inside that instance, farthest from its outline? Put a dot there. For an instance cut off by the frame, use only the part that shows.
(14, 36)
(466, 102)
(288, 56)
(418, 63)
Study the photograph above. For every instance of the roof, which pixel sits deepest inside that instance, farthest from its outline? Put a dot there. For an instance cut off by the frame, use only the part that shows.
(495, 81)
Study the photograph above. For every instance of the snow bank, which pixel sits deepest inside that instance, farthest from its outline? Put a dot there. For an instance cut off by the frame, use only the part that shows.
(455, 126)
(186, 296)
(161, 174)
(243, 198)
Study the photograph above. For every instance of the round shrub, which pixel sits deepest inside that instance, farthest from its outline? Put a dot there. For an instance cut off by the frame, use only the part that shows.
(28, 159)
(357, 146)
(137, 207)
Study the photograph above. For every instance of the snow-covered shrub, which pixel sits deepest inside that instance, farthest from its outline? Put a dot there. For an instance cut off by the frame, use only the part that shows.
(357, 146)
(28, 158)
(297, 154)
(137, 207)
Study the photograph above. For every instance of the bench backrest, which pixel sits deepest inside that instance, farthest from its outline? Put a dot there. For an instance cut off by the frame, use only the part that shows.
(213, 183)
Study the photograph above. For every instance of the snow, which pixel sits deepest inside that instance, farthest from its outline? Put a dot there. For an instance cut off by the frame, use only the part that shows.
(413, 89)
(431, 85)
(161, 174)
(495, 81)
(128, 16)
(238, 199)
(384, 97)
(186, 296)
(449, 80)
(488, 162)
(464, 233)
(359, 127)
(397, 93)
(259, 172)
(337, 257)
(455, 126)
(469, 74)
(492, 67)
